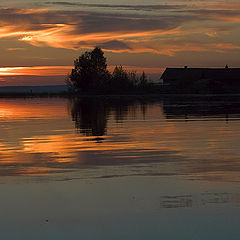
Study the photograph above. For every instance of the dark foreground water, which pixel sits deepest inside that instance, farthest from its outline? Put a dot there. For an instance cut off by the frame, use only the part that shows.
(120, 168)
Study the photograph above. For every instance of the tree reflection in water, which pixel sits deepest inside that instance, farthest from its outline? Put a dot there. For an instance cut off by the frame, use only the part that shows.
(91, 114)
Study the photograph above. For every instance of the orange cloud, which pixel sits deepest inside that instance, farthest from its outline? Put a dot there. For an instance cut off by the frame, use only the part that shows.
(131, 33)
(229, 18)
(141, 41)
(61, 36)
(172, 47)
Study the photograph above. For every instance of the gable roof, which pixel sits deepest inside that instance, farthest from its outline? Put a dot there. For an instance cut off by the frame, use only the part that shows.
(201, 73)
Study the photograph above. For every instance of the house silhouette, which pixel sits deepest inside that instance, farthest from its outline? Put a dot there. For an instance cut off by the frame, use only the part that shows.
(203, 79)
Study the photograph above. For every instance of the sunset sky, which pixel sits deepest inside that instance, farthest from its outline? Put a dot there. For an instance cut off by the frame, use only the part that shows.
(145, 34)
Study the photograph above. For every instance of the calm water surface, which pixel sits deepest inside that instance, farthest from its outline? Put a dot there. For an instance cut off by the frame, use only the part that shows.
(120, 168)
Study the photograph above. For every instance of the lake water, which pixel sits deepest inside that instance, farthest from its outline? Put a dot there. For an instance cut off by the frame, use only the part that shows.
(120, 168)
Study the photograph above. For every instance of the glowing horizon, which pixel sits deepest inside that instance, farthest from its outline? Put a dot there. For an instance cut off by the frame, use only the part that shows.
(54, 75)
(61, 70)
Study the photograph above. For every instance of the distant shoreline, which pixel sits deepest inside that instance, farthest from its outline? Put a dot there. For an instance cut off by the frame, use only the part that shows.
(133, 95)
(62, 91)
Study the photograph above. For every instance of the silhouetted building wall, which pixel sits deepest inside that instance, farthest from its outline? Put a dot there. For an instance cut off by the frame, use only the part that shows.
(203, 79)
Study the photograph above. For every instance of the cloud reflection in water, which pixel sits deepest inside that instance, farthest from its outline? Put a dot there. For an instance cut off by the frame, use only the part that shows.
(118, 137)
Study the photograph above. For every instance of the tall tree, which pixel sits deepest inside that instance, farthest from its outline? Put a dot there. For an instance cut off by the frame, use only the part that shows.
(90, 71)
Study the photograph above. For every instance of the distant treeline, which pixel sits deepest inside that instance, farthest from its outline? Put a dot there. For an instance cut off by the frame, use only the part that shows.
(90, 74)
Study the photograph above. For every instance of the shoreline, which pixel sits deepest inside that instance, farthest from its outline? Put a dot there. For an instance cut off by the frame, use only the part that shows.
(113, 95)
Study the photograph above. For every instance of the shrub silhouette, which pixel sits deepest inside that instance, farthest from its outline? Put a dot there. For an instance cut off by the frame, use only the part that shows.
(123, 80)
(143, 81)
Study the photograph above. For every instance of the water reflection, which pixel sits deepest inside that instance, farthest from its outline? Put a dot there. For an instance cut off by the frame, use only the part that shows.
(91, 114)
(121, 137)
(166, 167)
(193, 108)
(201, 199)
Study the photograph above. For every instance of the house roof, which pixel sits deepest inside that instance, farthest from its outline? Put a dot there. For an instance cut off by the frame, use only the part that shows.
(201, 73)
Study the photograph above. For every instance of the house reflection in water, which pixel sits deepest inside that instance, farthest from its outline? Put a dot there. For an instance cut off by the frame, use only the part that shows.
(91, 115)
(211, 107)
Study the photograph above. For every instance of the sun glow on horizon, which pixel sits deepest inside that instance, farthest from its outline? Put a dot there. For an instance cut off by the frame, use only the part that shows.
(35, 71)
(62, 70)
(56, 75)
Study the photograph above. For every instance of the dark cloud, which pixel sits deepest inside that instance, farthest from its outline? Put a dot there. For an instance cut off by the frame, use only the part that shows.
(121, 6)
(114, 45)
(215, 11)
(212, 14)
(90, 22)
(100, 22)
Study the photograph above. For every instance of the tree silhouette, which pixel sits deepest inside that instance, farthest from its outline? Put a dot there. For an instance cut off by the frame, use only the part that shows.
(124, 80)
(143, 80)
(90, 71)
(90, 74)
(120, 78)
